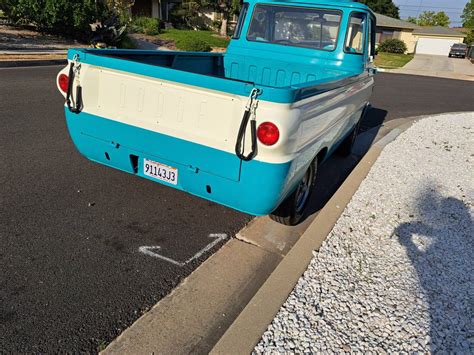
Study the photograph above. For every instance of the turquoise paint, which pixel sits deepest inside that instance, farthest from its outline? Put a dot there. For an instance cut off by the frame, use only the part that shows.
(240, 187)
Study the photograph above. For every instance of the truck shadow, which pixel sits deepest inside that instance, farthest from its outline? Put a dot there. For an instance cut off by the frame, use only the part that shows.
(333, 172)
(439, 245)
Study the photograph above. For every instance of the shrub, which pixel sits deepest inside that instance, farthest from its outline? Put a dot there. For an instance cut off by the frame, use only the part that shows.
(190, 44)
(66, 18)
(127, 43)
(147, 25)
(393, 46)
(62, 17)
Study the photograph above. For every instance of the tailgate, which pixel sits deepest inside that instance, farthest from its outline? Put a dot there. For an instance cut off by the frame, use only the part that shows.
(205, 118)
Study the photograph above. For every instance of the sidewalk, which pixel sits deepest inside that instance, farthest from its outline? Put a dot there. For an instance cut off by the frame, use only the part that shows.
(437, 66)
(436, 74)
(24, 47)
(395, 273)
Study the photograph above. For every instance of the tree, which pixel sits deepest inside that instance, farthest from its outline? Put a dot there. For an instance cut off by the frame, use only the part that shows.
(470, 37)
(227, 8)
(468, 15)
(384, 7)
(431, 18)
(412, 19)
(468, 21)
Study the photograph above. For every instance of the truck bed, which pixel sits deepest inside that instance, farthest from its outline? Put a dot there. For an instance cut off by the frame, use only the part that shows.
(225, 72)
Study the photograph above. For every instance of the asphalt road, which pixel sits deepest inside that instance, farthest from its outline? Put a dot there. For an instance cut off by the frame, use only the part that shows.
(71, 276)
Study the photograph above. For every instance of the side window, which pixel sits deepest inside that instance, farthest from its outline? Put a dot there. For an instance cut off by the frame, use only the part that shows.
(240, 22)
(355, 34)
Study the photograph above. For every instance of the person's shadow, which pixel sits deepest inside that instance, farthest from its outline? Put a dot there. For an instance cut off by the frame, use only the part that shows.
(440, 246)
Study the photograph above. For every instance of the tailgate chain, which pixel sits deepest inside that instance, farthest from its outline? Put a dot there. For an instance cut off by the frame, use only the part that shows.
(74, 105)
(250, 110)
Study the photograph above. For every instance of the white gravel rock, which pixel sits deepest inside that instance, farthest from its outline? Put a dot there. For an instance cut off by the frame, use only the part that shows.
(396, 272)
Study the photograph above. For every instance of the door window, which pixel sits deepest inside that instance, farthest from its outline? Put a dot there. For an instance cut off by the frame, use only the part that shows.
(355, 37)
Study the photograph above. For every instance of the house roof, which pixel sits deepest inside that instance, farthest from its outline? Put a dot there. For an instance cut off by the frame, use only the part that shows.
(386, 21)
(438, 31)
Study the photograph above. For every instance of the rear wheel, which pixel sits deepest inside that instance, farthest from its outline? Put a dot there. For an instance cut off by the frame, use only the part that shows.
(345, 148)
(291, 210)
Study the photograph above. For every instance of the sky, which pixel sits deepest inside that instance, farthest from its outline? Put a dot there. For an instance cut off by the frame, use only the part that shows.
(453, 8)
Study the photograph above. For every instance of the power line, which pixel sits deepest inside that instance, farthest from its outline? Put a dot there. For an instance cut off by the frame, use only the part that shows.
(434, 7)
(419, 8)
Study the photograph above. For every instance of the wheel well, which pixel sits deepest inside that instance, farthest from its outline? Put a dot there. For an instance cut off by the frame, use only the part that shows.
(322, 155)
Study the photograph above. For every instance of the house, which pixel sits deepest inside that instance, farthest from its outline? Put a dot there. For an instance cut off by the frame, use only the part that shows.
(154, 8)
(421, 40)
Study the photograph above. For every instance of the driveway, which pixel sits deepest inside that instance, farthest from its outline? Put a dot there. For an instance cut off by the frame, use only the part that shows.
(439, 66)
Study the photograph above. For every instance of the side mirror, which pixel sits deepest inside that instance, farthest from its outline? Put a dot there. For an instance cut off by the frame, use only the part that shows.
(372, 71)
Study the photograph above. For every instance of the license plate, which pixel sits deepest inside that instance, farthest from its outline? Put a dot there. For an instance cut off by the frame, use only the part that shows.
(160, 171)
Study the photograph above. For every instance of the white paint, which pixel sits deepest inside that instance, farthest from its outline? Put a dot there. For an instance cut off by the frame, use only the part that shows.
(153, 250)
(434, 46)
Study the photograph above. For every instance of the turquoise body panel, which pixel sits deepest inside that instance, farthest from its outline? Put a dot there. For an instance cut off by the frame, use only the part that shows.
(250, 193)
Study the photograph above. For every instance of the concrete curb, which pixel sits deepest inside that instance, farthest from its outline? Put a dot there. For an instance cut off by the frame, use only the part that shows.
(198, 313)
(31, 63)
(247, 329)
(441, 75)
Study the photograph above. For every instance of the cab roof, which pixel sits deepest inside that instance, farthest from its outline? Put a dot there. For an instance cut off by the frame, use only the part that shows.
(341, 3)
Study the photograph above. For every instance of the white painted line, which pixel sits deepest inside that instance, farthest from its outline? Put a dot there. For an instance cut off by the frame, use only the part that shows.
(152, 250)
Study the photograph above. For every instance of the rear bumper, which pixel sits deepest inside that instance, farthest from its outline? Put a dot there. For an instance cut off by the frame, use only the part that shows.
(258, 189)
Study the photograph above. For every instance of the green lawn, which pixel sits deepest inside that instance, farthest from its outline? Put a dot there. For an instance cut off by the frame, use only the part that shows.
(209, 37)
(391, 60)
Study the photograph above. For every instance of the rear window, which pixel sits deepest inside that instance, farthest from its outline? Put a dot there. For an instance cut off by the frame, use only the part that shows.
(460, 46)
(295, 26)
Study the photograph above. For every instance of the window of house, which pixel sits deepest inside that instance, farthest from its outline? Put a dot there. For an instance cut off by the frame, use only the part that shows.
(386, 34)
(355, 34)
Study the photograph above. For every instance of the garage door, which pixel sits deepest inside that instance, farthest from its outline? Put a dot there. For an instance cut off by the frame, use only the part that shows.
(435, 46)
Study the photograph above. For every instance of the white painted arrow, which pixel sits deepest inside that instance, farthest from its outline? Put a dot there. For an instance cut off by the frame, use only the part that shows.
(152, 250)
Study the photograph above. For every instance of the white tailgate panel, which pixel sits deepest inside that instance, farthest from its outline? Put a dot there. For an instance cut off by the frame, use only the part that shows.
(196, 115)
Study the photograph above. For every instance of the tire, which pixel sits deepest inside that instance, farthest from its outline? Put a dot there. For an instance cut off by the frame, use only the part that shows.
(450, 56)
(291, 210)
(345, 148)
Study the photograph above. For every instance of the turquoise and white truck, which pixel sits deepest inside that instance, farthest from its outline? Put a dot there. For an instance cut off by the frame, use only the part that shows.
(247, 128)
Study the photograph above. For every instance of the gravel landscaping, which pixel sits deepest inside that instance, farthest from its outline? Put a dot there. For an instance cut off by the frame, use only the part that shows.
(396, 272)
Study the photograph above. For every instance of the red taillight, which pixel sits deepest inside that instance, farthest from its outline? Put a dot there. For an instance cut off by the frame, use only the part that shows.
(63, 82)
(268, 133)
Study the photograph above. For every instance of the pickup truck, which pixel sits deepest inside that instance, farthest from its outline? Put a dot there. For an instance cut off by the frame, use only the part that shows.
(458, 50)
(247, 128)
